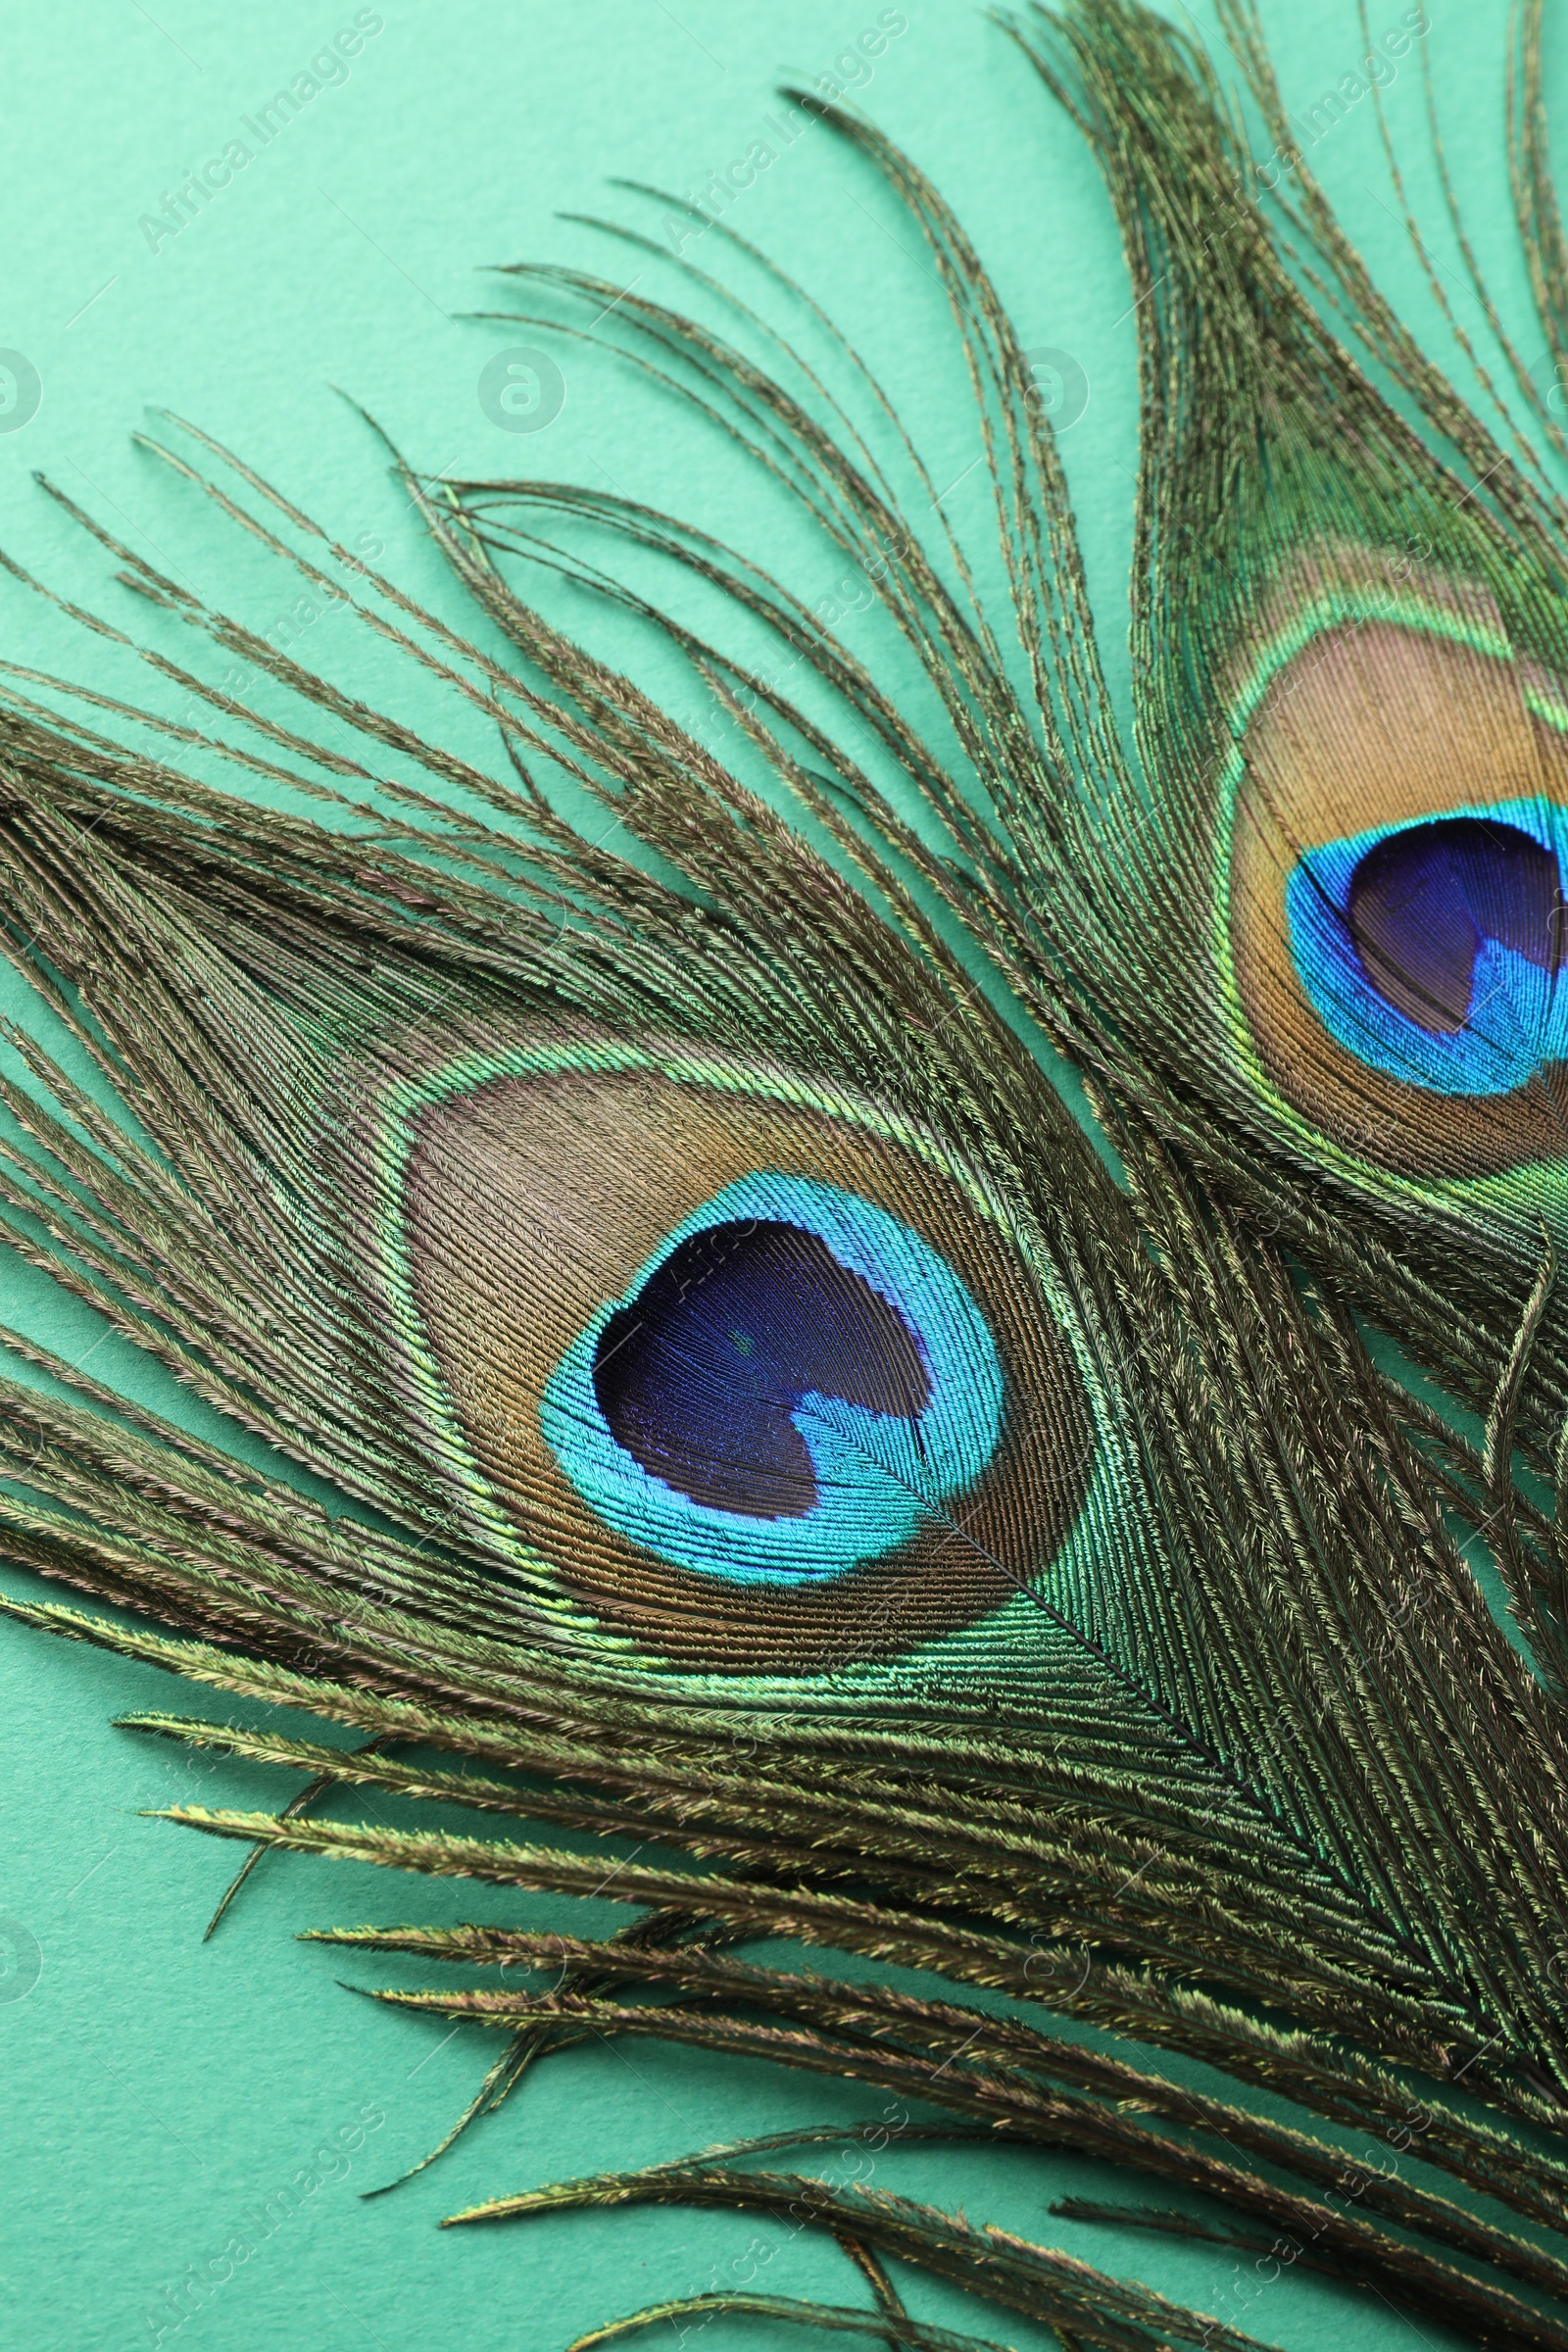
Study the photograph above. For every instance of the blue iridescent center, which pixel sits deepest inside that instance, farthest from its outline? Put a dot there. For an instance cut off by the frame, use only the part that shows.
(702, 1376)
(1430, 951)
(790, 1384)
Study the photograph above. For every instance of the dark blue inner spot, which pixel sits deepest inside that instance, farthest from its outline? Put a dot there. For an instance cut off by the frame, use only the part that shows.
(1423, 900)
(697, 1376)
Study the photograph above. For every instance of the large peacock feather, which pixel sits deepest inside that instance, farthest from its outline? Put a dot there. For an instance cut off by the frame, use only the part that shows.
(758, 1420)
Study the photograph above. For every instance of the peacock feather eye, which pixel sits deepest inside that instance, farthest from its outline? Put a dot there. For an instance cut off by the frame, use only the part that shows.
(1394, 923)
(761, 1374)
(1430, 951)
(791, 1384)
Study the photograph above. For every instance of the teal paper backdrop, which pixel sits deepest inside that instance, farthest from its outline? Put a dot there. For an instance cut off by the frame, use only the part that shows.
(174, 2110)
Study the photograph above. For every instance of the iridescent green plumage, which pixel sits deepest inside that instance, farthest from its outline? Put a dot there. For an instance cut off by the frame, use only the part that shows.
(1074, 1611)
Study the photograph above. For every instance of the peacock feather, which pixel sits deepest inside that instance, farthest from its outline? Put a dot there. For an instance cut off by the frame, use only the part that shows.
(702, 1382)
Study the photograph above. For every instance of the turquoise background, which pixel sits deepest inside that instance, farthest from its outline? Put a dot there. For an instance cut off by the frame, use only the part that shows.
(157, 2089)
